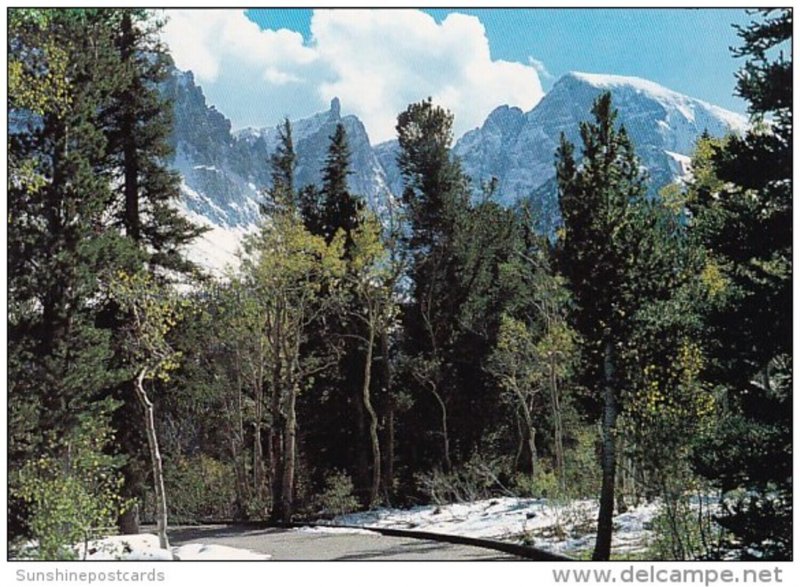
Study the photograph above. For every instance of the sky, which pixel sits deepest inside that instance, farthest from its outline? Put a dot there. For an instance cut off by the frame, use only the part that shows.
(259, 65)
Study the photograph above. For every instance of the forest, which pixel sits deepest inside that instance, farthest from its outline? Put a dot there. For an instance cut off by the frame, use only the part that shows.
(442, 351)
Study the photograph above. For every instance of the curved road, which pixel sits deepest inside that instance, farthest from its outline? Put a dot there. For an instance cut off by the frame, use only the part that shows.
(298, 545)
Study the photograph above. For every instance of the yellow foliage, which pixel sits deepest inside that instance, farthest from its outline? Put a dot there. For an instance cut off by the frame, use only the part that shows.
(713, 280)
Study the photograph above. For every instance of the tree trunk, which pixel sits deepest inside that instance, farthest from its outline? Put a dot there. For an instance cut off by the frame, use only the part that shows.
(128, 135)
(128, 520)
(520, 441)
(602, 548)
(155, 457)
(558, 431)
(258, 462)
(276, 449)
(388, 470)
(289, 458)
(362, 478)
(622, 477)
(241, 480)
(530, 431)
(373, 422)
(532, 449)
(448, 466)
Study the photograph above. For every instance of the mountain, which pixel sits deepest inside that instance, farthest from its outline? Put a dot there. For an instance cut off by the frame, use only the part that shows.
(311, 138)
(518, 148)
(224, 172)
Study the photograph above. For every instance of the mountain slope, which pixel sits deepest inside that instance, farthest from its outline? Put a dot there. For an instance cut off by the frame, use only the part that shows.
(225, 172)
(519, 148)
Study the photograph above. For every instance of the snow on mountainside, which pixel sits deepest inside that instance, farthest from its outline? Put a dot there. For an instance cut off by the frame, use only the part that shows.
(686, 105)
(518, 148)
(224, 172)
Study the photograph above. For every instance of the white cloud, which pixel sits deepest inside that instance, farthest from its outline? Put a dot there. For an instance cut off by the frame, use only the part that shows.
(375, 61)
(201, 40)
(540, 67)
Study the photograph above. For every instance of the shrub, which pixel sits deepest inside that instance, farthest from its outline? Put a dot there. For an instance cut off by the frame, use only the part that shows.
(198, 488)
(479, 478)
(543, 485)
(582, 468)
(337, 498)
(72, 493)
(682, 532)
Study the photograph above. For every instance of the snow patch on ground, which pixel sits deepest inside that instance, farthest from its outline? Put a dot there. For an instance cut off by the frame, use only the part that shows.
(216, 552)
(324, 530)
(145, 547)
(560, 527)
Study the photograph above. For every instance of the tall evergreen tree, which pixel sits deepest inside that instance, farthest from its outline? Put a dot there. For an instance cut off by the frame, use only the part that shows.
(59, 242)
(281, 195)
(435, 197)
(339, 214)
(140, 125)
(599, 200)
(744, 220)
(340, 209)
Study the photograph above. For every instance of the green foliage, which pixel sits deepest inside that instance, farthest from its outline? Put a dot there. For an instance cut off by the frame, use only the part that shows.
(742, 218)
(199, 488)
(605, 256)
(340, 210)
(522, 361)
(72, 492)
(671, 406)
(580, 461)
(156, 309)
(685, 529)
(281, 196)
(601, 203)
(515, 360)
(59, 241)
(138, 136)
(37, 66)
(337, 497)
(88, 144)
(544, 484)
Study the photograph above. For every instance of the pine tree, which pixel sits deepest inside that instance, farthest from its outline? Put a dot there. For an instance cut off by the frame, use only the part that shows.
(435, 197)
(742, 216)
(140, 126)
(59, 243)
(281, 195)
(340, 209)
(599, 241)
(339, 215)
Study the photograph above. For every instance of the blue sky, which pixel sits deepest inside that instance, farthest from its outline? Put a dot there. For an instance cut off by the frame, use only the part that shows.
(292, 61)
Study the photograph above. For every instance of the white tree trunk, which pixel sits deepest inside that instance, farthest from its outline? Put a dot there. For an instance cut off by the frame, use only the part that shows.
(155, 458)
(373, 421)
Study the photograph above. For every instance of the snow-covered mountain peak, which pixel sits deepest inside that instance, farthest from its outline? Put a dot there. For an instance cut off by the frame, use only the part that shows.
(225, 172)
(686, 105)
(518, 149)
(609, 82)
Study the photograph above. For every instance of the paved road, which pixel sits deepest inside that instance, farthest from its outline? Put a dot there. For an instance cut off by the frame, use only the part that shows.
(303, 545)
